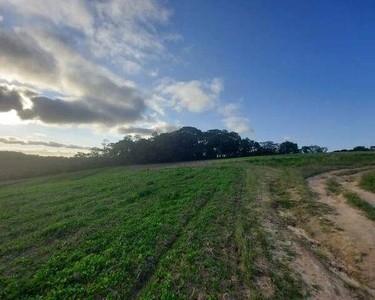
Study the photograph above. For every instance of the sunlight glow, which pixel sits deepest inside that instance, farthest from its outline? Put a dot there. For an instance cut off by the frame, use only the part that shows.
(10, 118)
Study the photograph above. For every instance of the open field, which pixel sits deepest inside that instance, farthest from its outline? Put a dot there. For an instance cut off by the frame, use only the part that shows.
(276, 227)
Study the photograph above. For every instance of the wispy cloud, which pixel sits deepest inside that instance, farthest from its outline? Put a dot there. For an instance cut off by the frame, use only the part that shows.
(16, 141)
(118, 30)
(233, 119)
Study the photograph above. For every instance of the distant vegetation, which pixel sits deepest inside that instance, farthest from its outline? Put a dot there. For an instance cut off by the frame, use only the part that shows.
(188, 144)
(185, 144)
(358, 149)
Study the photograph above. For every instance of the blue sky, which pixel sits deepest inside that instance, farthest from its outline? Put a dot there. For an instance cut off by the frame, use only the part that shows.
(270, 70)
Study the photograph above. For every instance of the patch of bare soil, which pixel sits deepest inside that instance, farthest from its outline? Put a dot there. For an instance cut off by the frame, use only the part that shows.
(351, 238)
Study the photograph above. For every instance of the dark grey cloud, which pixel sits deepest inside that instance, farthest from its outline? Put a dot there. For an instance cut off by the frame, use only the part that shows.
(57, 111)
(9, 99)
(20, 53)
(14, 141)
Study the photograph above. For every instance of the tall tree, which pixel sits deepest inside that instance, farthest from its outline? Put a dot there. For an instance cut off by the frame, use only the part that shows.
(288, 147)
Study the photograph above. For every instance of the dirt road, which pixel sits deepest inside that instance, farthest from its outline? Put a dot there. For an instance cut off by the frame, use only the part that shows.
(352, 238)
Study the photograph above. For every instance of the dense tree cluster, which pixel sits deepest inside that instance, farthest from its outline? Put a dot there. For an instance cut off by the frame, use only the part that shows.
(189, 143)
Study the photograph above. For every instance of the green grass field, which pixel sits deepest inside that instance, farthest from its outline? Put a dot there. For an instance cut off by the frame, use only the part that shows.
(368, 182)
(192, 232)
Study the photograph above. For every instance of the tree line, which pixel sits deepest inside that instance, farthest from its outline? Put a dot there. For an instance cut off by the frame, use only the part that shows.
(188, 144)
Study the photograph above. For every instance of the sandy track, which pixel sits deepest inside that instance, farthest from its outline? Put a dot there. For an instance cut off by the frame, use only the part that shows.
(353, 244)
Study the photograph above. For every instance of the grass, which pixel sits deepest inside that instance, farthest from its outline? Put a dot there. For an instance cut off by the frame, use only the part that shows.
(168, 233)
(356, 201)
(367, 182)
(102, 234)
(333, 186)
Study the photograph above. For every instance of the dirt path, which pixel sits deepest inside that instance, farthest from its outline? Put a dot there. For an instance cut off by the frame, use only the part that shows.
(351, 183)
(352, 238)
(293, 248)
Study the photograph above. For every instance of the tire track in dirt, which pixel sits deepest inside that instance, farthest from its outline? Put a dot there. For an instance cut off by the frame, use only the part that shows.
(352, 243)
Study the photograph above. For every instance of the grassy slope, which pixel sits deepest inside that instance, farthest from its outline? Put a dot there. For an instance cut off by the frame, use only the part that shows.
(158, 234)
(368, 182)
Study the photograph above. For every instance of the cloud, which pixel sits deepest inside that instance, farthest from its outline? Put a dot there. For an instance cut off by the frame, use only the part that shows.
(75, 54)
(99, 97)
(113, 29)
(58, 111)
(195, 96)
(22, 55)
(147, 131)
(16, 141)
(131, 67)
(233, 120)
(9, 99)
(72, 13)
(129, 29)
(154, 73)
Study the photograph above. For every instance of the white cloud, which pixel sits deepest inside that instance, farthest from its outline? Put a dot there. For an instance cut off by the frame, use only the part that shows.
(114, 30)
(195, 96)
(72, 13)
(233, 120)
(1, 18)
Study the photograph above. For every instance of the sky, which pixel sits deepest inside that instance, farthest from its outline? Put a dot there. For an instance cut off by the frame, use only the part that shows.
(76, 72)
